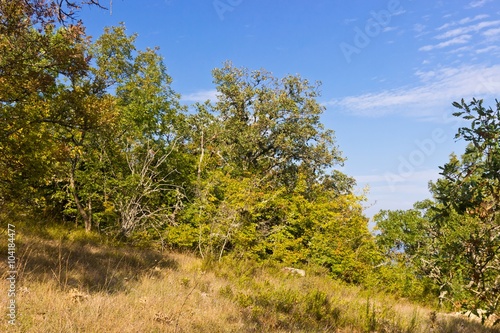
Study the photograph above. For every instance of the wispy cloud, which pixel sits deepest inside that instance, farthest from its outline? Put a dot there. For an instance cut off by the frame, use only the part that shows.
(492, 32)
(491, 48)
(387, 29)
(350, 20)
(464, 37)
(200, 96)
(454, 41)
(478, 3)
(468, 29)
(436, 91)
(463, 21)
(389, 192)
(383, 179)
(418, 27)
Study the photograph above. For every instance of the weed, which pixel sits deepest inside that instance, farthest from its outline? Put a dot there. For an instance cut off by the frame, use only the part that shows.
(61, 273)
(185, 282)
(226, 292)
(371, 317)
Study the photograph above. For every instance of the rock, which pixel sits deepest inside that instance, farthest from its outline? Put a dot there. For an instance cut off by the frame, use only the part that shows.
(297, 271)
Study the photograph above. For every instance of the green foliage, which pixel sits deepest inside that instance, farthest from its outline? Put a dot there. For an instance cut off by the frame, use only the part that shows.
(97, 112)
(340, 240)
(262, 189)
(289, 309)
(271, 126)
(454, 241)
(34, 56)
(92, 132)
(468, 219)
(251, 174)
(402, 232)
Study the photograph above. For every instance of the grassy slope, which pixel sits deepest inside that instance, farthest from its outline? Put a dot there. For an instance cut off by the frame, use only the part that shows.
(71, 285)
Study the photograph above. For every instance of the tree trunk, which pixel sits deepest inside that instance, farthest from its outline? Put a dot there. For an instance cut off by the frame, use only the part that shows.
(88, 223)
(81, 210)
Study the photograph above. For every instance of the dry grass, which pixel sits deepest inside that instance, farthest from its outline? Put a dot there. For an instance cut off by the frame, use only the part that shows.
(67, 286)
(79, 286)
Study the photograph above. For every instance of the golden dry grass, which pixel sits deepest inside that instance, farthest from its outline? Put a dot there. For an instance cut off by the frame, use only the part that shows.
(67, 285)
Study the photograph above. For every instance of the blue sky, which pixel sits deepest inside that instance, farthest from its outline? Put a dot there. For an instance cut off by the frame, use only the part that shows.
(389, 69)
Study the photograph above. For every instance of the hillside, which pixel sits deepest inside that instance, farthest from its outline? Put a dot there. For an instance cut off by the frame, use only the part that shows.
(69, 282)
(93, 136)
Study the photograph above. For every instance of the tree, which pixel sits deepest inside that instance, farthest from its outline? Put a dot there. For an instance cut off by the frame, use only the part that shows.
(339, 238)
(471, 188)
(116, 152)
(272, 126)
(34, 56)
(41, 67)
(264, 189)
(455, 242)
(407, 241)
(401, 232)
(138, 151)
(72, 111)
(469, 194)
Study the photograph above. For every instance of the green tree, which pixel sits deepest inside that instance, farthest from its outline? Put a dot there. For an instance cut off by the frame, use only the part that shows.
(272, 126)
(402, 233)
(34, 57)
(469, 193)
(339, 238)
(403, 237)
(146, 147)
(80, 120)
(130, 167)
(455, 241)
(265, 189)
(41, 45)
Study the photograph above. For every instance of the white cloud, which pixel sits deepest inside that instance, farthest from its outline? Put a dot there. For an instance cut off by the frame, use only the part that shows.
(393, 193)
(457, 40)
(475, 18)
(492, 32)
(463, 21)
(434, 94)
(463, 37)
(418, 27)
(491, 48)
(399, 12)
(387, 29)
(478, 3)
(349, 21)
(420, 30)
(200, 96)
(460, 51)
(468, 29)
(425, 75)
